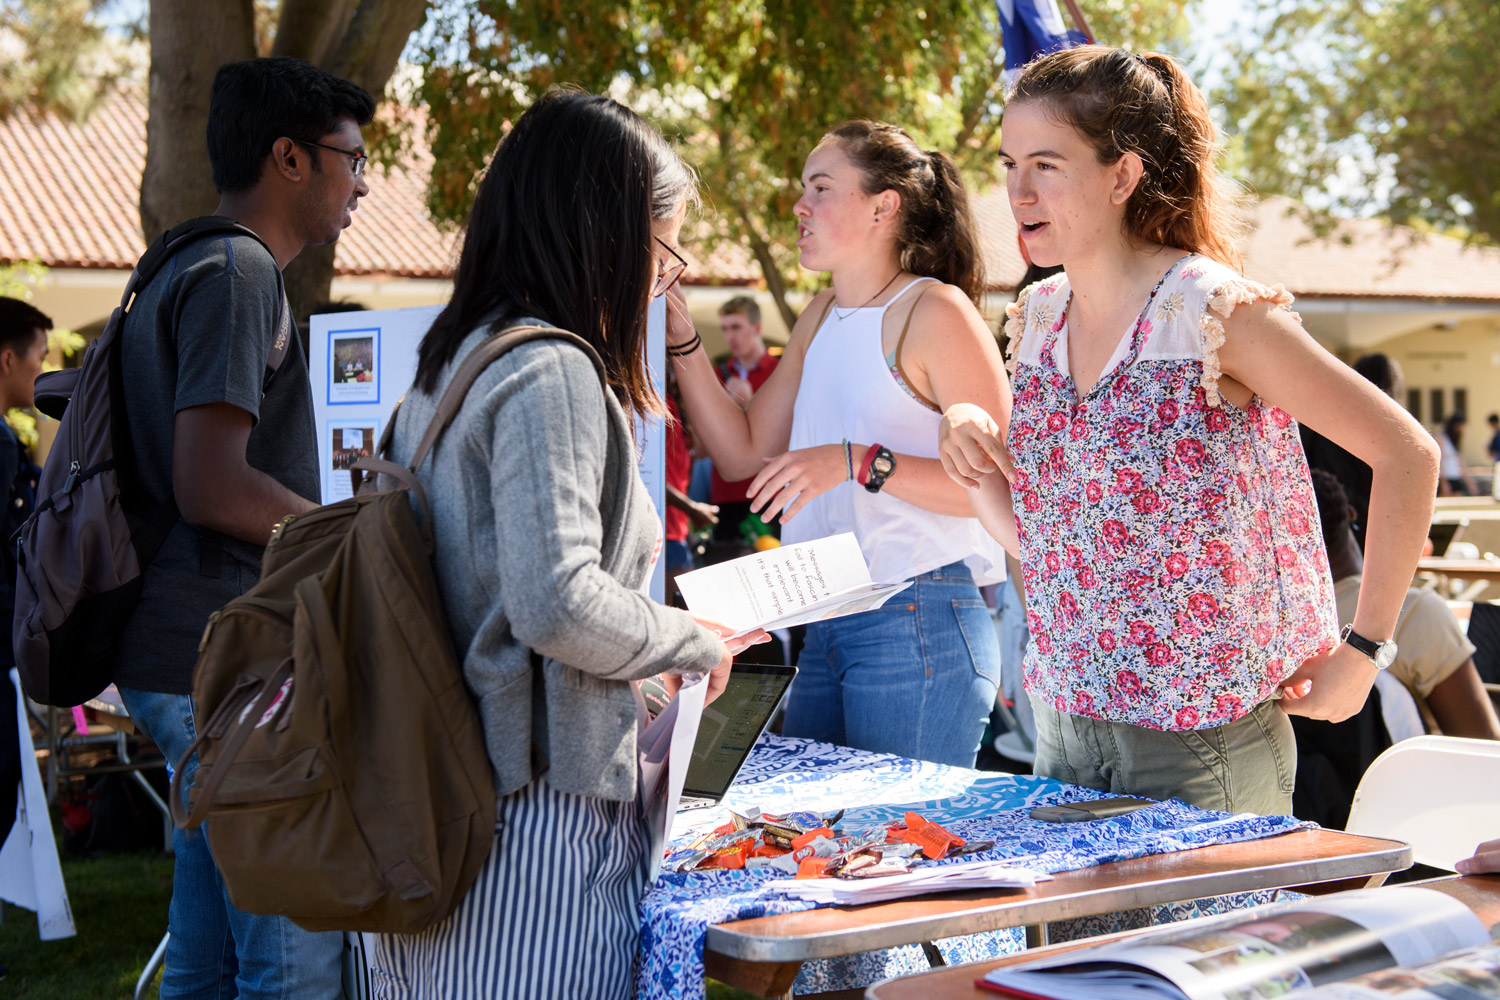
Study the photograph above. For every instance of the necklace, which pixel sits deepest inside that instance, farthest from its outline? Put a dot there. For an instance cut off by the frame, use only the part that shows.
(841, 316)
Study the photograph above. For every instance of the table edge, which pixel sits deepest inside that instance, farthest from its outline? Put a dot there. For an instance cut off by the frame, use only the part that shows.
(1004, 913)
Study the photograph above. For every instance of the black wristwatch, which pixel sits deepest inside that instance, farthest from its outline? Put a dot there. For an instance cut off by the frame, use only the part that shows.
(1382, 654)
(882, 464)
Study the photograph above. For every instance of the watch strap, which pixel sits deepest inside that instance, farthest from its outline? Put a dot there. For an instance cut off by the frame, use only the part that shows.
(875, 477)
(1369, 647)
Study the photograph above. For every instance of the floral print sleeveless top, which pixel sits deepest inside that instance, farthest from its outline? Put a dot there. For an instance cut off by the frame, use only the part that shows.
(1170, 541)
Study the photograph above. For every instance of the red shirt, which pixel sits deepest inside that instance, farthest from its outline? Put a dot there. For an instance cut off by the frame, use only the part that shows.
(679, 469)
(722, 490)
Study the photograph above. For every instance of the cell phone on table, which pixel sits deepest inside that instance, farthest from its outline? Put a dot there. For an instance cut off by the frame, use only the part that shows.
(1081, 812)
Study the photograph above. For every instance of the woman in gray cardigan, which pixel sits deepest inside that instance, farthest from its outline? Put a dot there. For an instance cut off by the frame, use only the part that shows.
(545, 537)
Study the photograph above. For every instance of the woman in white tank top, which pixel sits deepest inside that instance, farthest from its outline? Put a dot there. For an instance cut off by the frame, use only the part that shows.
(843, 437)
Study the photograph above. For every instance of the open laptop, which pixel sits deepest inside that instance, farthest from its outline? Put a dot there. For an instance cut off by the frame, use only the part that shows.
(729, 729)
(1445, 533)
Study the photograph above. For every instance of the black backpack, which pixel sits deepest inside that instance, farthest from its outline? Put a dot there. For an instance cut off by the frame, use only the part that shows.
(83, 553)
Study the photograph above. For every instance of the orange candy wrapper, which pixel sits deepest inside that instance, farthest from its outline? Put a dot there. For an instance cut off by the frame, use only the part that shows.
(811, 835)
(931, 838)
(812, 867)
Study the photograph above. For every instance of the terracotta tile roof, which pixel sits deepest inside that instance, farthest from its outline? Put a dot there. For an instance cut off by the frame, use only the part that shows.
(70, 197)
(1366, 258)
(70, 193)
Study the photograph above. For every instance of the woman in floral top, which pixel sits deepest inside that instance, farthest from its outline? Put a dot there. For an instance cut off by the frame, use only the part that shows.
(1179, 596)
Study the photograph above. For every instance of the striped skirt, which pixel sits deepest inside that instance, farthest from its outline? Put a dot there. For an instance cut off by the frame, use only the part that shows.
(554, 912)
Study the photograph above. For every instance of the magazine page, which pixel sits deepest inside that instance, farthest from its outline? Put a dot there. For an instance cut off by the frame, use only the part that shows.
(790, 585)
(1473, 974)
(1263, 953)
(664, 747)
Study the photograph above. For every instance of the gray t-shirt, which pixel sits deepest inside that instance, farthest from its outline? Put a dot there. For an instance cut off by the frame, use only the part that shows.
(200, 332)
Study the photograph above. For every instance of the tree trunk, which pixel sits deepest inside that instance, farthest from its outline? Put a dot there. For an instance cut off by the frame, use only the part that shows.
(311, 29)
(190, 40)
(360, 40)
(775, 284)
(367, 55)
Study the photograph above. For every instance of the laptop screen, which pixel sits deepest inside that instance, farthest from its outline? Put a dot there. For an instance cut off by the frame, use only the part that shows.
(732, 724)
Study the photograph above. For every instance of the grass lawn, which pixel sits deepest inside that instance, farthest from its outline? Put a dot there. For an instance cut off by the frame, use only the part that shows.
(120, 906)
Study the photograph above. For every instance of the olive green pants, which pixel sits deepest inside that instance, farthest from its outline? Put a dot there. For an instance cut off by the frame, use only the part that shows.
(1248, 765)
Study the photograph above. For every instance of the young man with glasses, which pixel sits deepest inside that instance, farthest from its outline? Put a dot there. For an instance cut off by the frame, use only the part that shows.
(235, 447)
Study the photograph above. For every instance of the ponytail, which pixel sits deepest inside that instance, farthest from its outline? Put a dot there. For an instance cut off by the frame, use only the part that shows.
(936, 236)
(1123, 102)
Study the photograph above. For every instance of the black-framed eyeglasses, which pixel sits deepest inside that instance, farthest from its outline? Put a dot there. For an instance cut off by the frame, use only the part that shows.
(667, 275)
(358, 157)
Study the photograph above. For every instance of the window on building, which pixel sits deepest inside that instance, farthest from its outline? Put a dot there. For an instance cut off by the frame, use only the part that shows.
(1461, 402)
(1435, 400)
(1414, 403)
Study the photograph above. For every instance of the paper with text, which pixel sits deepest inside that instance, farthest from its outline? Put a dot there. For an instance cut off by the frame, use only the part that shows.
(791, 585)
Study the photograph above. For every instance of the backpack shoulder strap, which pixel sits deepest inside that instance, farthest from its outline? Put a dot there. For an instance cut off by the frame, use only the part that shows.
(202, 227)
(486, 354)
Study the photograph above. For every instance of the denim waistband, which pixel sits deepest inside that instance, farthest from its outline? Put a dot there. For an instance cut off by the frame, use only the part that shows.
(954, 572)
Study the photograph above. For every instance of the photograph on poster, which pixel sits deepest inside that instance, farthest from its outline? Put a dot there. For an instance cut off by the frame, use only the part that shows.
(353, 366)
(348, 442)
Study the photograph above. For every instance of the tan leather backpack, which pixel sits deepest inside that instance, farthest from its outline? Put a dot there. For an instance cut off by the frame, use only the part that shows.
(342, 763)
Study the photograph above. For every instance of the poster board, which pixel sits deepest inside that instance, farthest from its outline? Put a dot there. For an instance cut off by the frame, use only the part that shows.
(362, 363)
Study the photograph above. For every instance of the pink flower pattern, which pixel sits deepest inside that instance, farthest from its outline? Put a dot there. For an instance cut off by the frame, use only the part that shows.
(1170, 545)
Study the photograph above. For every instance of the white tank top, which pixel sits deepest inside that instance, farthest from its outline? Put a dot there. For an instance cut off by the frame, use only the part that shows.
(847, 391)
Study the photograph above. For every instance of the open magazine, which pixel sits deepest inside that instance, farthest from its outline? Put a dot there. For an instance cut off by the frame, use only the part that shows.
(1259, 954)
(790, 585)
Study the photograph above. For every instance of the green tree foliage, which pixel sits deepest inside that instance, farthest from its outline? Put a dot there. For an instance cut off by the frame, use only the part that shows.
(1390, 106)
(55, 56)
(749, 87)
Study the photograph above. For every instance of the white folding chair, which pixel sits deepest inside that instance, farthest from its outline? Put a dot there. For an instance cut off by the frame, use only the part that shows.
(1440, 794)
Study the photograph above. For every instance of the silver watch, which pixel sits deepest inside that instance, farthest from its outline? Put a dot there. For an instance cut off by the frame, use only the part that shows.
(1382, 654)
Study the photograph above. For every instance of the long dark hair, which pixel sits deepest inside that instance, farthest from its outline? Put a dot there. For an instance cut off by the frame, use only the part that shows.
(936, 235)
(561, 230)
(1143, 104)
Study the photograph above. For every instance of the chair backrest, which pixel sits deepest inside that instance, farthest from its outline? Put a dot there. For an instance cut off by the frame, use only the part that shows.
(1441, 794)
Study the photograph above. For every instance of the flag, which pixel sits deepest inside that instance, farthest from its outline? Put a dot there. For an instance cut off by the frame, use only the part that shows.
(1030, 28)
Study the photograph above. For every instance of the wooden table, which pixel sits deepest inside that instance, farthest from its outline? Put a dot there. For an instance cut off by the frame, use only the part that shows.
(762, 955)
(1481, 893)
(1474, 570)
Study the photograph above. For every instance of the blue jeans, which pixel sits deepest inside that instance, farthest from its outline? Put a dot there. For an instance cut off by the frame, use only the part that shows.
(218, 951)
(916, 677)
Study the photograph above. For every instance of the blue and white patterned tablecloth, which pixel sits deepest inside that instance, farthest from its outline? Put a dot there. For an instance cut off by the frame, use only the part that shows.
(785, 774)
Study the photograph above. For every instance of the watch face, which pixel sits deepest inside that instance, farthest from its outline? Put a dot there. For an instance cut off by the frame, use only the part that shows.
(1386, 655)
(883, 464)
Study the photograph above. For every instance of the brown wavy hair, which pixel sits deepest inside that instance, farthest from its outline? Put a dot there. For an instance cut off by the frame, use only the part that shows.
(1122, 102)
(936, 236)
